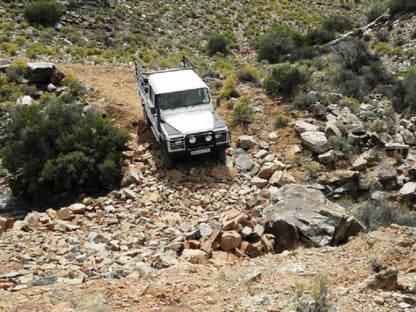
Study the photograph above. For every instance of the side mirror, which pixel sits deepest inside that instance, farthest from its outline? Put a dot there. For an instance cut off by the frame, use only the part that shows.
(153, 110)
(218, 102)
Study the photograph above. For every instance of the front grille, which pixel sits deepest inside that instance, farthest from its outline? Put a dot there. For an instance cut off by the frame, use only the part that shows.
(200, 140)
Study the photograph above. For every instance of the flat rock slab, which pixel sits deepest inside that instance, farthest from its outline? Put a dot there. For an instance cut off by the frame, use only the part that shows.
(304, 215)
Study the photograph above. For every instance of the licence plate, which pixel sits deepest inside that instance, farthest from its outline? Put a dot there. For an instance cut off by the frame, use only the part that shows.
(201, 151)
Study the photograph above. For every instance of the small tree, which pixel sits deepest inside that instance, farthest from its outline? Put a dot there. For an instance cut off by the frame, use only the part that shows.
(352, 54)
(409, 87)
(43, 12)
(218, 43)
(396, 6)
(284, 78)
(281, 120)
(229, 89)
(243, 112)
(54, 151)
(337, 23)
(278, 41)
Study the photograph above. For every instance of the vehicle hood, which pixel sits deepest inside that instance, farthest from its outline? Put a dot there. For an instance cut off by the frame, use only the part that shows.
(191, 122)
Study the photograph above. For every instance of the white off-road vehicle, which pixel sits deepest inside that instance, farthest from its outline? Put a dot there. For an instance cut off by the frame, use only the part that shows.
(177, 107)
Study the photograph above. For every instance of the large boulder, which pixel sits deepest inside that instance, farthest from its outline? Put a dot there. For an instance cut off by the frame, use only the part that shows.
(315, 141)
(304, 215)
(408, 190)
(246, 142)
(41, 72)
(303, 126)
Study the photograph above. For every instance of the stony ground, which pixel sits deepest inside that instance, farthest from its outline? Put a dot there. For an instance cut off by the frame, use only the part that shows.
(119, 252)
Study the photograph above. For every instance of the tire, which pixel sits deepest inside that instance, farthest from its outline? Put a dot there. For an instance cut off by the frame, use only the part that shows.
(221, 156)
(146, 119)
(167, 160)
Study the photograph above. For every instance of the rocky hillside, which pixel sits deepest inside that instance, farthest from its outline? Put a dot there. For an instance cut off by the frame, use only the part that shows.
(290, 223)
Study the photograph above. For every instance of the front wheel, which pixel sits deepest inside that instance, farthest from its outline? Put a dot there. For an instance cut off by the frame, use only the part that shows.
(221, 155)
(167, 160)
(146, 119)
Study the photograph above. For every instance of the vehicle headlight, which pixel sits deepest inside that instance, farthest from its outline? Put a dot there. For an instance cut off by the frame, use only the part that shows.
(192, 139)
(177, 144)
(221, 137)
(208, 138)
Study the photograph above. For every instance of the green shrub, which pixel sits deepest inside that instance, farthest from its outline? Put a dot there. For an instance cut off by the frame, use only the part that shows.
(248, 73)
(16, 71)
(360, 71)
(409, 88)
(396, 6)
(320, 289)
(382, 47)
(281, 120)
(312, 168)
(374, 13)
(75, 87)
(338, 23)
(319, 36)
(277, 42)
(43, 12)
(243, 112)
(284, 78)
(343, 145)
(380, 213)
(383, 35)
(218, 43)
(229, 89)
(54, 151)
(352, 54)
(34, 50)
(9, 48)
(303, 101)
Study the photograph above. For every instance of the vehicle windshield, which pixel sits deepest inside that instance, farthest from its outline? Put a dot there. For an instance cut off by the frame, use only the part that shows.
(183, 98)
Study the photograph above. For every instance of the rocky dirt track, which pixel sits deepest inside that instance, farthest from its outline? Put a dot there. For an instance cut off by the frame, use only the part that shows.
(123, 251)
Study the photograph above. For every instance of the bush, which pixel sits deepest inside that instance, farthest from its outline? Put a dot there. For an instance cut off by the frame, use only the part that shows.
(54, 152)
(374, 13)
(319, 36)
(16, 71)
(343, 145)
(229, 89)
(284, 78)
(281, 120)
(9, 48)
(303, 101)
(43, 12)
(360, 71)
(243, 112)
(319, 289)
(76, 89)
(376, 214)
(352, 54)
(396, 6)
(337, 23)
(248, 73)
(409, 87)
(218, 44)
(277, 42)
(383, 35)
